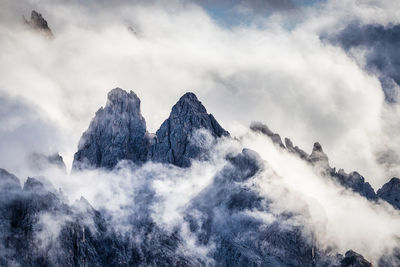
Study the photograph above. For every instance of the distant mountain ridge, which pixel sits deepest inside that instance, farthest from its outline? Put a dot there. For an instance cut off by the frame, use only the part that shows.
(389, 192)
(219, 217)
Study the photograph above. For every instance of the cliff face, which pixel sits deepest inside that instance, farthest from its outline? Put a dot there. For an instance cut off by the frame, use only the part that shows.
(391, 192)
(172, 143)
(117, 132)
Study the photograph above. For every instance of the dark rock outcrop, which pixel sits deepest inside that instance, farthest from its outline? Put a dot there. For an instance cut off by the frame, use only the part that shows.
(295, 149)
(117, 132)
(391, 192)
(355, 182)
(174, 141)
(353, 259)
(37, 22)
(318, 156)
(262, 128)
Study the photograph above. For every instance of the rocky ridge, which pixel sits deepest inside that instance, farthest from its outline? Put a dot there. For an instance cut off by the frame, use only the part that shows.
(219, 217)
(103, 145)
(354, 181)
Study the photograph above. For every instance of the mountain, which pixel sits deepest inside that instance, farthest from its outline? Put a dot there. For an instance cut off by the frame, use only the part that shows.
(391, 192)
(117, 132)
(86, 238)
(219, 225)
(38, 23)
(353, 181)
(172, 143)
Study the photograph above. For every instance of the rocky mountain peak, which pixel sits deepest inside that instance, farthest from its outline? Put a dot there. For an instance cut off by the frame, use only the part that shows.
(118, 100)
(37, 22)
(188, 103)
(118, 131)
(391, 192)
(174, 143)
(318, 156)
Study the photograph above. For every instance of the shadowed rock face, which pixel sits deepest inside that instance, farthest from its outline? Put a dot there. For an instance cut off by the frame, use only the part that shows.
(172, 142)
(37, 22)
(354, 181)
(318, 156)
(117, 132)
(391, 192)
(353, 259)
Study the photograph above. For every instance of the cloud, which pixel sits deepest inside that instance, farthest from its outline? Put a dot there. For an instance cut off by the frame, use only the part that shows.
(302, 87)
(25, 130)
(381, 52)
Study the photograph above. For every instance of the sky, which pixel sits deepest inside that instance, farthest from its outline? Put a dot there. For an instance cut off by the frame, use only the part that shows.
(292, 65)
(285, 63)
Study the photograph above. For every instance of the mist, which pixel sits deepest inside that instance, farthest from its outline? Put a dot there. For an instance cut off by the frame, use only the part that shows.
(272, 63)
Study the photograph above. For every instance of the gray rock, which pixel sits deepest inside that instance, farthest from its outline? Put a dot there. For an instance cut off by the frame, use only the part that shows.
(173, 139)
(353, 259)
(355, 182)
(319, 159)
(117, 132)
(262, 128)
(37, 22)
(318, 156)
(391, 192)
(295, 149)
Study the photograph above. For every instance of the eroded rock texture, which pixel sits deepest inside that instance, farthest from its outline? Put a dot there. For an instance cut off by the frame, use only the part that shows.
(117, 132)
(391, 192)
(37, 22)
(174, 140)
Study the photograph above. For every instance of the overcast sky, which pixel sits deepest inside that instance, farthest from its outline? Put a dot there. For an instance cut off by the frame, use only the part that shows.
(267, 61)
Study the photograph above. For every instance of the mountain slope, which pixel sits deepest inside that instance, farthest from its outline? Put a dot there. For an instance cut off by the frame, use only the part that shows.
(117, 132)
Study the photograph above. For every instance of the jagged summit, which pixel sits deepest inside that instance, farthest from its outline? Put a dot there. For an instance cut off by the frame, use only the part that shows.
(318, 155)
(37, 22)
(391, 192)
(320, 160)
(173, 140)
(119, 98)
(188, 102)
(118, 131)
